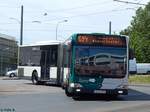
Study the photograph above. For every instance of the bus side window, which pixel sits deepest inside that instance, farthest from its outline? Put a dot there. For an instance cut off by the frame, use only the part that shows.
(35, 58)
(66, 62)
(53, 56)
(68, 57)
(65, 57)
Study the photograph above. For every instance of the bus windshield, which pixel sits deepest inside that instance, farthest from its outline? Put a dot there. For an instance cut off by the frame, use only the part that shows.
(101, 60)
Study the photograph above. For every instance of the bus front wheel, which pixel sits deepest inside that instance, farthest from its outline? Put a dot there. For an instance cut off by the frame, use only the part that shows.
(67, 92)
(34, 77)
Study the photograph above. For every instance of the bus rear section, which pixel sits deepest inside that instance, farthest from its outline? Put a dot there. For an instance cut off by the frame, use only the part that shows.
(98, 65)
(40, 63)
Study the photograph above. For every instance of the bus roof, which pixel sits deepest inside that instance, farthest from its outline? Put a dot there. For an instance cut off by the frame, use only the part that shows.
(42, 43)
(75, 34)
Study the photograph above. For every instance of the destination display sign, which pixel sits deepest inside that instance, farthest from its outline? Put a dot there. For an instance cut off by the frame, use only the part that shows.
(101, 40)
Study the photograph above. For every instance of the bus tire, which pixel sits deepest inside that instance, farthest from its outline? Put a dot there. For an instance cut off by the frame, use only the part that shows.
(63, 86)
(12, 75)
(35, 77)
(67, 92)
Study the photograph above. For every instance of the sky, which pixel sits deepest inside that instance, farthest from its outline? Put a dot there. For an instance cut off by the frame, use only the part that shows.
(41, 17)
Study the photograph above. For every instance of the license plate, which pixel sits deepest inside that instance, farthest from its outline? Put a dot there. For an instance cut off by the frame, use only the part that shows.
(100, 91)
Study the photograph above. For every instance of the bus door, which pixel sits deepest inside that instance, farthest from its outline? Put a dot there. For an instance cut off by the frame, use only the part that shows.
(45, 66)
(53, 63)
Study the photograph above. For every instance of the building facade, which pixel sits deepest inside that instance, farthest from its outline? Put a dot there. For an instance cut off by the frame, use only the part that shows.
(8, 53)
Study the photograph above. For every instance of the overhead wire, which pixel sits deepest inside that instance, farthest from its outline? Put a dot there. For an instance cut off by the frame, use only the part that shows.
(94, 13)
(88, 14)
(78, 7)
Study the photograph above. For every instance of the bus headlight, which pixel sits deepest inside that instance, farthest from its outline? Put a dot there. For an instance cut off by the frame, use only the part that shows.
(75, 85)
(72, 85)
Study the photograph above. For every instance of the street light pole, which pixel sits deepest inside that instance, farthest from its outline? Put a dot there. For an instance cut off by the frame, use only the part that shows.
(109, 27)
(21, 26)
(57, 26)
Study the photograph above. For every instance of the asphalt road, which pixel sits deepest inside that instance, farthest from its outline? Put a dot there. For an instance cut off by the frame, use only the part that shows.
(22, 96)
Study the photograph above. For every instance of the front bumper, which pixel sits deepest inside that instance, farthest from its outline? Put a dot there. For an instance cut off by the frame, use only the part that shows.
(79, 91)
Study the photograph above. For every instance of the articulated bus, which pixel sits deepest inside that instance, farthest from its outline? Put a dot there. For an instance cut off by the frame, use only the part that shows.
(41, 62)
(95, 64)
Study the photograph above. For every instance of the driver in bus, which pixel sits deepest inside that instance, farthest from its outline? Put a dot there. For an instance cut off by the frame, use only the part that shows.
(113, 66)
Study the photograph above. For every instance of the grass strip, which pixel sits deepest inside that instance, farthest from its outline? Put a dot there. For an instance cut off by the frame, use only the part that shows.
(139, 79)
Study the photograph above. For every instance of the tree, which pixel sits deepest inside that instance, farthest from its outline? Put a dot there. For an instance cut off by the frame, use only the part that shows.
(139, 34)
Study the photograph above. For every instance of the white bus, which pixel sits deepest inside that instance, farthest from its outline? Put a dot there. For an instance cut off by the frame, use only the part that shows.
(41, 62)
